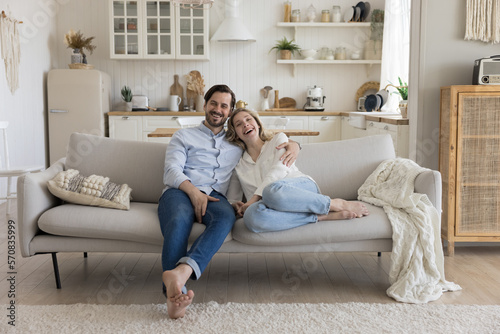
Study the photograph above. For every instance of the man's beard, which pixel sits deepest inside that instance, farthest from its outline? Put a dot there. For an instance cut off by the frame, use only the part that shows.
(214, 123)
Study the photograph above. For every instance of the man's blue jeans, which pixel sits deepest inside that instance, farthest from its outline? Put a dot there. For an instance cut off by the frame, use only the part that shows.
(177, 217)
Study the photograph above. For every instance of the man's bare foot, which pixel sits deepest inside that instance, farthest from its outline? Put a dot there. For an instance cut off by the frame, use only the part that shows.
(174, 281)
(338, 204)
(337, 215)
(177, 305)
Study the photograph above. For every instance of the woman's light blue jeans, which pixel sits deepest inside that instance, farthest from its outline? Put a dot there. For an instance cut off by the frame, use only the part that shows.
(286, 204)
(177, 217)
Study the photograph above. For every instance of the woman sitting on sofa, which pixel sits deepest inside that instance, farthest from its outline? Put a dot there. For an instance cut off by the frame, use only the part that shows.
(279, 197)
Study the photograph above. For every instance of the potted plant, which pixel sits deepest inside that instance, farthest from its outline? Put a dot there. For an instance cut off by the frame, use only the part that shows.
(78, 42)
(127, 97)
(403, 92)
(286, 48)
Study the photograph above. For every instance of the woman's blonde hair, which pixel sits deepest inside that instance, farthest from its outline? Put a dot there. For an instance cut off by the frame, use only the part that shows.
(231, 135)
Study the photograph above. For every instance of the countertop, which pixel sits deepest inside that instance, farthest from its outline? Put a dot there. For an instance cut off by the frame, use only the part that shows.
(396, 120)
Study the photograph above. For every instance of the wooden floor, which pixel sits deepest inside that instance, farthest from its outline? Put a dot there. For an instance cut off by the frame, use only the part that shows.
(116, 278)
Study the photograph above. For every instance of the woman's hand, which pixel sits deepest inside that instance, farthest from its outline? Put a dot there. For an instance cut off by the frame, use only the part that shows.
(237, 206)
(291, 154)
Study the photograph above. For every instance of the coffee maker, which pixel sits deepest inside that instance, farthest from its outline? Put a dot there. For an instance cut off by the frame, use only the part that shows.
(315, 99)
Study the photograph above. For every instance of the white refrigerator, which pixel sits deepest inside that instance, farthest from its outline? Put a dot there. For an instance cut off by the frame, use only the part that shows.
(78, 101)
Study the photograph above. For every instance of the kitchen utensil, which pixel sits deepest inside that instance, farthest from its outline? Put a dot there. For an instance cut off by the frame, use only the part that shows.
(315, 99)
(276, 99)
(309, 54)
(349, 14)
(176, 88)
(367, 11)
(139, 103)
(241, 104)
(361, 6)
(267, 88)
(287, 102)
(384, 95)
(371, 102)
(174, 101)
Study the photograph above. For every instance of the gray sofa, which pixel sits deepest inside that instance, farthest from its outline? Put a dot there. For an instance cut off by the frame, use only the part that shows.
(49, 225)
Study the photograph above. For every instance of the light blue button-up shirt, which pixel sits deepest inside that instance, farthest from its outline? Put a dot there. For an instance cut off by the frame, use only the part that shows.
(205, 159)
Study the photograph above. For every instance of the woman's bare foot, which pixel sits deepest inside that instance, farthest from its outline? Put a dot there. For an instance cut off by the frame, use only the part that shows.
(338, 215)
(174, 281)
(358, 208)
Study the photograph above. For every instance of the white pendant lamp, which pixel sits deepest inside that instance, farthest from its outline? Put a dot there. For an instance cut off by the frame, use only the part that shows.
(232, 28)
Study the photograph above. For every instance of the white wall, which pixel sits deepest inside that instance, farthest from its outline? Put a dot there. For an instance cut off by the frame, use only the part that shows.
(245, 67)
(25, 109)
(448, 60)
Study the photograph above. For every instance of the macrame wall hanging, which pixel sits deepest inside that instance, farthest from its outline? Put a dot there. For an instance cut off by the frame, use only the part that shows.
(10, 50)
(483, 21)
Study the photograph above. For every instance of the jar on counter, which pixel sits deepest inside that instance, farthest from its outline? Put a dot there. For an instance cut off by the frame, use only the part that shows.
(311, 13)
(296, 15)
(325, 15)
(340, 53)
(288, 10)
(336, 14)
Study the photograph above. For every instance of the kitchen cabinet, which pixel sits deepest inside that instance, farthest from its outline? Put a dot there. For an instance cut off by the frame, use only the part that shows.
(469, 158)
(330, 28)
(125, 127)
(146, 29)
(398, 132)
(137, 125)
(329, 128)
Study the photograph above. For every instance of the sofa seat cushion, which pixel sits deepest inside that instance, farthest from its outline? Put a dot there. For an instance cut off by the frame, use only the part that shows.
(139, 224)
(374, 226)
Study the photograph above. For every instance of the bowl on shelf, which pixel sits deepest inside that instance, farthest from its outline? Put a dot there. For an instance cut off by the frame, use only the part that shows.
(309, 54)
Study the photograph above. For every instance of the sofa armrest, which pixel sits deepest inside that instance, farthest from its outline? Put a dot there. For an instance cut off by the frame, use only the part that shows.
(33, 199)
(429, 183)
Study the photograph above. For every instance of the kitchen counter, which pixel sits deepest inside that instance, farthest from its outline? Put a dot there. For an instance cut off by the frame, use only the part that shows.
(389, 119)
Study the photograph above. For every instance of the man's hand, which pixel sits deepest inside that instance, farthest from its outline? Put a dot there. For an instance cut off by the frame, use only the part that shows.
(198, 199)
(291, 154)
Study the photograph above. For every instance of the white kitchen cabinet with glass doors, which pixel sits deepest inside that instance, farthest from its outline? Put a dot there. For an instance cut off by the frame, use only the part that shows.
(157, 30)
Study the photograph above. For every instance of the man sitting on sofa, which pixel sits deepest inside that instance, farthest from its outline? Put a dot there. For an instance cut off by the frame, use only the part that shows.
(198, 166)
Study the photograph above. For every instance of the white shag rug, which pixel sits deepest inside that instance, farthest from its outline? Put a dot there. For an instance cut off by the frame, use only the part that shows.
(257, 318)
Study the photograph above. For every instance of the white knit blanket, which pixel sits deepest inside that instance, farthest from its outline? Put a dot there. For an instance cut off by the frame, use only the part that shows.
(417, 269)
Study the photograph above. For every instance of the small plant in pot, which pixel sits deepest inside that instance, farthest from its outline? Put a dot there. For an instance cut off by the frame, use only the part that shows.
(127, 97)
(403, 92)
(286, 48)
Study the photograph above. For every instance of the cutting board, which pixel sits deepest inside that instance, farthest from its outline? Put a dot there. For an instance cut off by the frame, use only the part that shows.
(287, 102)
(176, 88)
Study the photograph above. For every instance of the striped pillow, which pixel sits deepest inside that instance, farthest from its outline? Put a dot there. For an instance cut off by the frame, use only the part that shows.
(93, 190)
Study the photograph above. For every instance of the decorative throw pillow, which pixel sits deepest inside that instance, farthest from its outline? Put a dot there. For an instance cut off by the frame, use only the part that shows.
(92, 190)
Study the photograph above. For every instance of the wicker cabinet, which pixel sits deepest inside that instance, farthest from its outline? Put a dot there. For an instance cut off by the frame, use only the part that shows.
(469, 161)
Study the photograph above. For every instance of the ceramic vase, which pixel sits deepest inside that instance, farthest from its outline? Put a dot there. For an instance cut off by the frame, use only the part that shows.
(199, 103)
(403, 108)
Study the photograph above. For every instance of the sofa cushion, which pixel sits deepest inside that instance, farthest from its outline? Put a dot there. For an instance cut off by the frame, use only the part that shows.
(93, 190)
(139, 224)
(341, 167)
(138, 164)
(374, 226)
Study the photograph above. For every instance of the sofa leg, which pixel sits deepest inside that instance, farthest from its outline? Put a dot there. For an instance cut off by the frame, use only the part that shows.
(56, 270)
(85, 254)
(379, 254)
